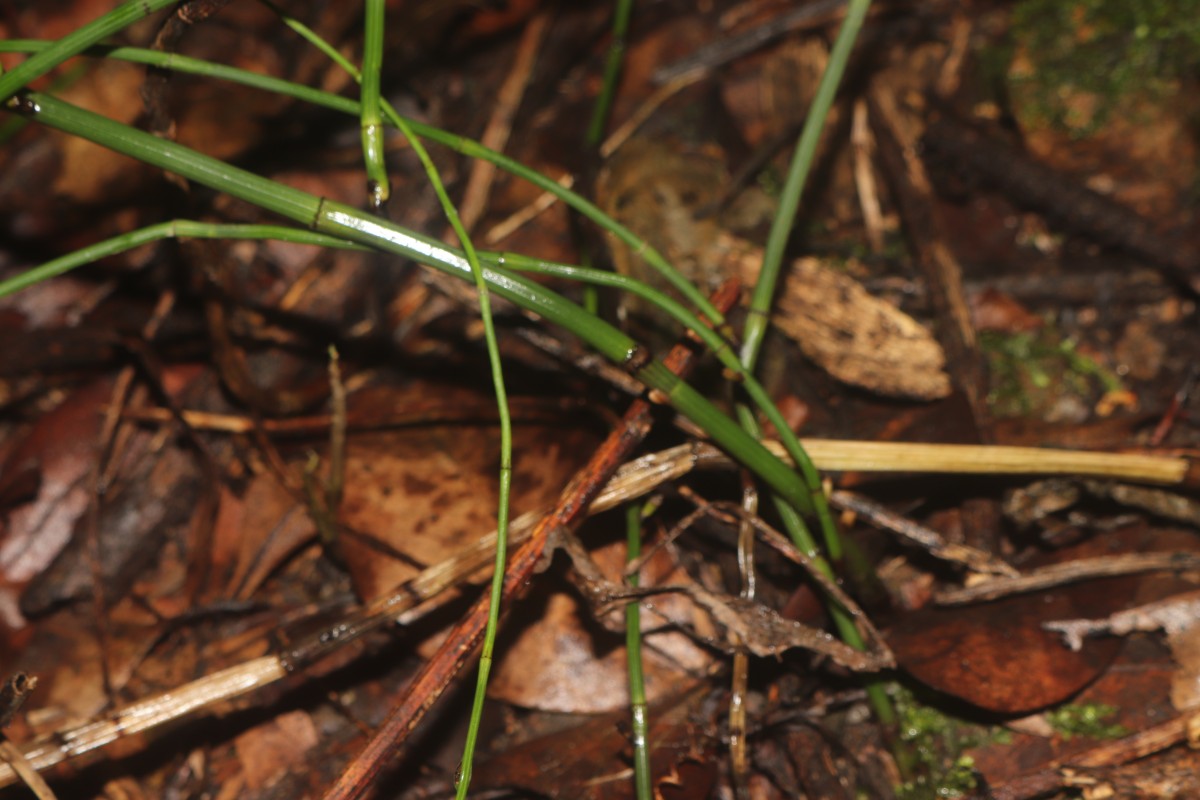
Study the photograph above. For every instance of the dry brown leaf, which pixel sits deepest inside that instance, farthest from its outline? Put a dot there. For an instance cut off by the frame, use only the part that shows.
(854, 336)
(269, 750)
(416, 497)
(565, 662)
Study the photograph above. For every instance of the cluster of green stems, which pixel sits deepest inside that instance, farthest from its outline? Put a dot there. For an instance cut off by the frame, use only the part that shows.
(327, 223)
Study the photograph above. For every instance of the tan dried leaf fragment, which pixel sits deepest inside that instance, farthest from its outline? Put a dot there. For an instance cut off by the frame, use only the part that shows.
(856, 337)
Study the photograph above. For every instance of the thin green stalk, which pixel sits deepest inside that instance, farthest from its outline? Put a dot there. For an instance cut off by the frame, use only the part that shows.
(758, 317)
(633, 659)
(179, 228)
(372, 133)
(789, 199)
(378, 185)
(760, 306)
(76, 42)
(505, 419)
(612, 71)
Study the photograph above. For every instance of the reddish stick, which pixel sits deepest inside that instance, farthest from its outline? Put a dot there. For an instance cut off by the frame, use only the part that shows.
(460, 646)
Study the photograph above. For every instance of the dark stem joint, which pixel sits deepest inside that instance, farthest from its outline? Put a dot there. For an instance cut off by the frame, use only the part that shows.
(637, 359)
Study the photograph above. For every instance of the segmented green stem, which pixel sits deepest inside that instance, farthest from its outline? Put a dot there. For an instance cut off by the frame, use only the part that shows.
(378, 185)
(633, 659)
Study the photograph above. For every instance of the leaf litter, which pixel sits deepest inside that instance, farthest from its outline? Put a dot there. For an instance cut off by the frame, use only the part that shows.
(148, 598)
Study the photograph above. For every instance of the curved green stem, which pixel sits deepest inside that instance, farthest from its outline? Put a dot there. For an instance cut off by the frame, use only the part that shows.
(801, 164)
(179, 228)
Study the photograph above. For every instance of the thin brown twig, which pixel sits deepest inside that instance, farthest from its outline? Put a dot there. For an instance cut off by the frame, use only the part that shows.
(1070, 572)
(924, 537)
(337, 436)
(13, 694)
(864, 176)
(877, 654)
(499, 127)
(12, 755)
(896, 135)
(739, 761)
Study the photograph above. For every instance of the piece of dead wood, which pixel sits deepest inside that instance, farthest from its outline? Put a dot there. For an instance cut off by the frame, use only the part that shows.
(1172, 615)
(1070, 572)
(1138, 745)
(897, 133)
(921, 536)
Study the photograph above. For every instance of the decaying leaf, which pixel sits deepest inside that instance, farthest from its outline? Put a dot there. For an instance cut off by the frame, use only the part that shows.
(854, 336)
(1176, 617)
(985, 654)
(415, 497)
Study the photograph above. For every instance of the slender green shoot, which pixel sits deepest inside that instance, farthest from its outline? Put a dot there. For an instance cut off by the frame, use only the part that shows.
(312, 37)
(76, 42)
(179, 228)
(633, 658)
(378, 185)
(612, 72)
(758, 318)
(789, 200)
